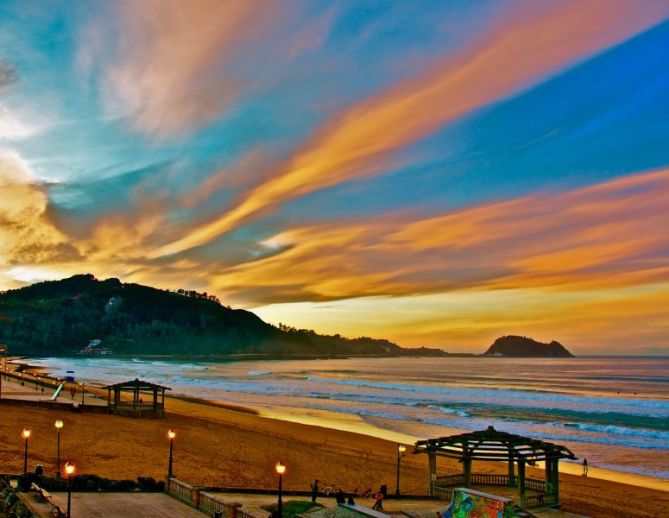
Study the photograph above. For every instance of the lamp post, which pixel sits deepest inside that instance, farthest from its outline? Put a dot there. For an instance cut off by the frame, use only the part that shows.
(59, 425)
(69, 470)
(400, 453)
(25, 434)
(171, 434)
(280, 469)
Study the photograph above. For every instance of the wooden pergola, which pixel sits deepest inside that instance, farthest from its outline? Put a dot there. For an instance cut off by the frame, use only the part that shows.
(493, 445)
(153, 407)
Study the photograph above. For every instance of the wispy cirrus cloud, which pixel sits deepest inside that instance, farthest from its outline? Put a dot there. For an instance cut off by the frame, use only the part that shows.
(600, 236)
(529, 45)
(168, 63)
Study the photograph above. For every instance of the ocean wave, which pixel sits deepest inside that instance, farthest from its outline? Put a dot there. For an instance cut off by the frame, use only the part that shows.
(259, 373)
(616, 430)
(597, 404)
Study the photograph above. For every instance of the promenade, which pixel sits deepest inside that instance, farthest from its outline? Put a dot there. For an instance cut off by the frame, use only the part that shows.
(41, 390)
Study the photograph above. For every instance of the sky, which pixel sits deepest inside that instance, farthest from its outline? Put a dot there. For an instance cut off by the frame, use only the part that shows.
(435, 173)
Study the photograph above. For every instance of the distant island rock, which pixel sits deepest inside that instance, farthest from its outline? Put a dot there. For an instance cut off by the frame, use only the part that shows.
(58, 318)
(523, 347)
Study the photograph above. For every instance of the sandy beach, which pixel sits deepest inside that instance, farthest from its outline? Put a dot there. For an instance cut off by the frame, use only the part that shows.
(217, 446)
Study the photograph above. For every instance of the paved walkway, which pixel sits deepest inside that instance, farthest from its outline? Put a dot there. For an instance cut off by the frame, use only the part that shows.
(253, 504)
(126, 505)
(12, 389)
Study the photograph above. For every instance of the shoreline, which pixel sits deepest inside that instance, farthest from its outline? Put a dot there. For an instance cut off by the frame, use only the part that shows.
(221, 447)
(353, 424)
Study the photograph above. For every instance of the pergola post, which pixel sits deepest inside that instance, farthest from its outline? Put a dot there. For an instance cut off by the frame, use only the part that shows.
(521, 483)
(550, 489)
(466, 466)
(512, 475)
(556, 483)
(432, 468)
(155, 399)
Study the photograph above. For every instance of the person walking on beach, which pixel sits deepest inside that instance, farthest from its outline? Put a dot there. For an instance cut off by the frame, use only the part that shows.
(585, 467)
(314, 490)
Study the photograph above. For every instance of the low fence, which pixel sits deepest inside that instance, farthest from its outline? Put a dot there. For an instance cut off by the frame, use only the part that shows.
(540, 500)
(209, 504)
(443, 487)
(490, 479)
(181, 491)
(535, 485)
(443, 493)
(450, 480)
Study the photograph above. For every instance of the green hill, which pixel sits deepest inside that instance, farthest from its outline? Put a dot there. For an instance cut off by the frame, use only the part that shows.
(60, 317)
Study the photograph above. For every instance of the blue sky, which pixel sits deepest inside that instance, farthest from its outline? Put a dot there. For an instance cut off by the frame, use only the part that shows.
(289, 156)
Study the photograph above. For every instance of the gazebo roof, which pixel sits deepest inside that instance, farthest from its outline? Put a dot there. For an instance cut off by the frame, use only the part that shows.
(494, 445)
(136, 384)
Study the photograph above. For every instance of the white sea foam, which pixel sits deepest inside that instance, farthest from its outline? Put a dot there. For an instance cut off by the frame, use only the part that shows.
(560, 400)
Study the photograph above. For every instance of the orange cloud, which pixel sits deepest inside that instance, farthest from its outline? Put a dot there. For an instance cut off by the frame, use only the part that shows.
(601, 236)
(27, 234)
(525, 48)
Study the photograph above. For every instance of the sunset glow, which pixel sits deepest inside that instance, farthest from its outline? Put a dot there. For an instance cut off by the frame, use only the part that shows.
(434, 178)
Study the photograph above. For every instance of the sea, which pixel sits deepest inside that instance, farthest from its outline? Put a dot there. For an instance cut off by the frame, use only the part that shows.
(614, 411)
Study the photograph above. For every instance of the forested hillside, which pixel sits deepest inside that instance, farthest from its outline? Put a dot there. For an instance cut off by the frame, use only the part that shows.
(60, 317)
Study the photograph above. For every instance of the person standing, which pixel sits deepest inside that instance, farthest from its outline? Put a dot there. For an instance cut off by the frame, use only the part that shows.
(314, 490)
(585, 467)
(378, 505)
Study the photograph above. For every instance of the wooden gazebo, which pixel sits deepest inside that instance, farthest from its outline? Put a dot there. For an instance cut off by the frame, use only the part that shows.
(492, 445)
(137, 407)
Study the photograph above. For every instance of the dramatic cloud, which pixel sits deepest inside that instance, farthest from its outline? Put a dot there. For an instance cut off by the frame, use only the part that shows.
(518, 52)
(27, 235)
(601, 236)
(169, 66)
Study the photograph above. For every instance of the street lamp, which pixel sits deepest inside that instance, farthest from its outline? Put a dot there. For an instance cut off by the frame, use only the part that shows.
(58, 424)
(280, 469)
(25, 434)
(69, 469)
(171, 434)
(401, 449)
